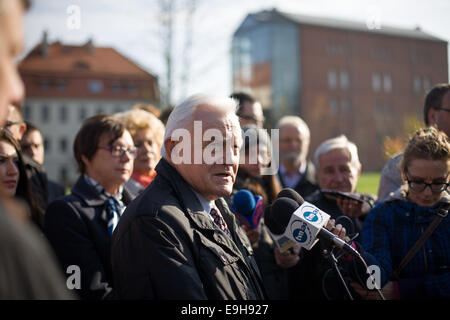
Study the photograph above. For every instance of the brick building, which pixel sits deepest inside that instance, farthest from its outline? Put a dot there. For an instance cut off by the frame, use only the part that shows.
(341, 77)
(65, 84)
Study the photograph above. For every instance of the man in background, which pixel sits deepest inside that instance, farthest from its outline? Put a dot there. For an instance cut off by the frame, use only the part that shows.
(436, 112)
(249, 111)
(295, 171)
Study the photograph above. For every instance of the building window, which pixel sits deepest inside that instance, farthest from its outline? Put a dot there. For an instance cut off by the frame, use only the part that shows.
(387, 82)
(345, 80)
(378, 107)
(116, 87)
(45, 113)
(376, 82)
(82, 113)
(334, 107)
(417, 84)
(63, 174)
(132, 88)
(95, 86)
(345, 106)
(426, 84)
(63, 113)
(44, 85)
(332, 79)
(47, 145)
(63, 145)
(389, 109)
(61, 85)
(26, 111)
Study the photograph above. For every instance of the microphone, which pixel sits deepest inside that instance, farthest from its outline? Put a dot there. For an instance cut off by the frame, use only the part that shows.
(301, 222)
(248, 208)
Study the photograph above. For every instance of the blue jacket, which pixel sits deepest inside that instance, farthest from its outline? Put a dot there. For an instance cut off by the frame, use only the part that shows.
(391, 229)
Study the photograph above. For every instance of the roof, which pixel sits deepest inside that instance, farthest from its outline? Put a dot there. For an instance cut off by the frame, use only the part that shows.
(83, 60)
(301, 19)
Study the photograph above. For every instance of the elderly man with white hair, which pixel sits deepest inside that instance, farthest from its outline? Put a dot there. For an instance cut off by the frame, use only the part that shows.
(338, 170)
(178, 239)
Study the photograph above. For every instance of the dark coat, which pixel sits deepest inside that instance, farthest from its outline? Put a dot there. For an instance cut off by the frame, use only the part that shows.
(167, 247)
(28, 268)
(76, 226)
(307, 184)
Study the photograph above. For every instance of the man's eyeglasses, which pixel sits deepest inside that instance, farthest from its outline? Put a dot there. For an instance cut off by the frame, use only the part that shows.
(118, 151)
(11, 123)
(443, 109)
(435, 187)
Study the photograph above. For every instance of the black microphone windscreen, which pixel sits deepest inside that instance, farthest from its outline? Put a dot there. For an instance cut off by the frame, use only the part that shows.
(269, 219)
(280, 214)
(291, 194)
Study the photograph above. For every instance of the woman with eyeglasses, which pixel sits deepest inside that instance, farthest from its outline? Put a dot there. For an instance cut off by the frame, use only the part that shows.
(393, 227)
(79, 226)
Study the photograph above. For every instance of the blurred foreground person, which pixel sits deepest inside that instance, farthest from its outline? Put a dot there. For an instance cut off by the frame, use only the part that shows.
(27, 265)
(79, 226)
(178, 238)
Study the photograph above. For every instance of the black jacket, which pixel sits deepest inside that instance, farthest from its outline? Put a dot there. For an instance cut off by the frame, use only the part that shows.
(28, 268)
(76, 226)
(167, 247)
(307, 184)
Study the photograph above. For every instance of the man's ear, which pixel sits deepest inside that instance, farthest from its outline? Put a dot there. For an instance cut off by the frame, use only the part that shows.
(432, 116)
(22, 129)
(85, 161)
(168, 147)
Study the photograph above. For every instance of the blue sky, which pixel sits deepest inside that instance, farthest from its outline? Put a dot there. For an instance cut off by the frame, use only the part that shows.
(133, 28)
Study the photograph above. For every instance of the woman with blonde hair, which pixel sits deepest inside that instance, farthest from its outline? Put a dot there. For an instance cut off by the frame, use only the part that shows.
(148, 134)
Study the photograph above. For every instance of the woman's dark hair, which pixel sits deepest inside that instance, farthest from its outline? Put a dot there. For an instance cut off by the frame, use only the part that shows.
(23, 190)
(88, 137)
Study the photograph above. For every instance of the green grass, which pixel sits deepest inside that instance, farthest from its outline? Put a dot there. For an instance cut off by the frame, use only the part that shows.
(368, 182)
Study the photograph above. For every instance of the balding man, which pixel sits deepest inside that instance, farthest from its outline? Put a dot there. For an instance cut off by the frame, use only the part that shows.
(178, 239)
(295, 170)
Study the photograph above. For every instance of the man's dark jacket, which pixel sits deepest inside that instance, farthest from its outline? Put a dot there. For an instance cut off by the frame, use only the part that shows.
(167, 247)
(76, 226)
(307, 184)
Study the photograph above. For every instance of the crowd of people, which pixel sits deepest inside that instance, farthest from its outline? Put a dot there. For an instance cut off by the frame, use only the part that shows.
(141, 222)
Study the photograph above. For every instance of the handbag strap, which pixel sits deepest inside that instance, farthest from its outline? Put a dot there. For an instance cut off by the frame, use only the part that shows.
(441, 214)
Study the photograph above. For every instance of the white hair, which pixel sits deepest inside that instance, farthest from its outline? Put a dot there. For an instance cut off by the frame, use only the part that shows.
(340, 142)
(182, 115)
(296, 122)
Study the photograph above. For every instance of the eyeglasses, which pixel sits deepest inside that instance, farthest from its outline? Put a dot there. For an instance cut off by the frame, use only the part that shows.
(118, 151)
(11, 123)
(443, 109)
(435, 187)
